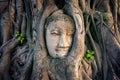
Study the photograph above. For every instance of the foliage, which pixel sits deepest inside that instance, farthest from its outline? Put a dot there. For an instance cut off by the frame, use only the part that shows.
(89, 55)
(21, 38)
(105, 17)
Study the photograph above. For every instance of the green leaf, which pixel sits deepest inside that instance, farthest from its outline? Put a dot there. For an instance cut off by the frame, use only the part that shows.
(105, 17)
(19, 39)
(22, 38)
(88, 51)
(92, 52)
(17, 35)
(92, 57)
(21, 35)
(88, 55)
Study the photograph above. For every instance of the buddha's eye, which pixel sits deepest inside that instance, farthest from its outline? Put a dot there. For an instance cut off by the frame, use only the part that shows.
(70, 33)
(55, 32)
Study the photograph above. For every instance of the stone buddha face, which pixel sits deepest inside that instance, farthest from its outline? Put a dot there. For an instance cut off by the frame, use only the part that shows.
(59, 33)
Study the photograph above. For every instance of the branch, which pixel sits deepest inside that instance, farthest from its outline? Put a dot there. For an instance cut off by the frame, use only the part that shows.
(5, 51)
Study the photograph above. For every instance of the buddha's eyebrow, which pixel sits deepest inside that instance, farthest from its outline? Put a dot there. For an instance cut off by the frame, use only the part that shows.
(70, 29)
(70, 32)
(56, 27)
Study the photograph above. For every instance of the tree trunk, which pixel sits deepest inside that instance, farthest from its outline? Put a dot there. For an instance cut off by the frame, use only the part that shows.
(92, 54)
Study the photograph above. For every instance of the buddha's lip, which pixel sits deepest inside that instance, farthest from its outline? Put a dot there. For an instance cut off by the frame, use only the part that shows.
(61, 49)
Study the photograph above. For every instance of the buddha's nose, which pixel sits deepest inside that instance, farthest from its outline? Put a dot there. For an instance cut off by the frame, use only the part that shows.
(63, 43)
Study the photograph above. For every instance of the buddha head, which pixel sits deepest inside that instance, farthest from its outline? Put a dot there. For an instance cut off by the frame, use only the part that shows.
(59, 33)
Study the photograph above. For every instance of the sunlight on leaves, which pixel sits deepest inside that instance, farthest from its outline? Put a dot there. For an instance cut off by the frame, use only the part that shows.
(89, 55)
(21, 38)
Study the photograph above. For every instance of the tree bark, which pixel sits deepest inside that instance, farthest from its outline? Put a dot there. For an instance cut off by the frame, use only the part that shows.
(97, 28)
